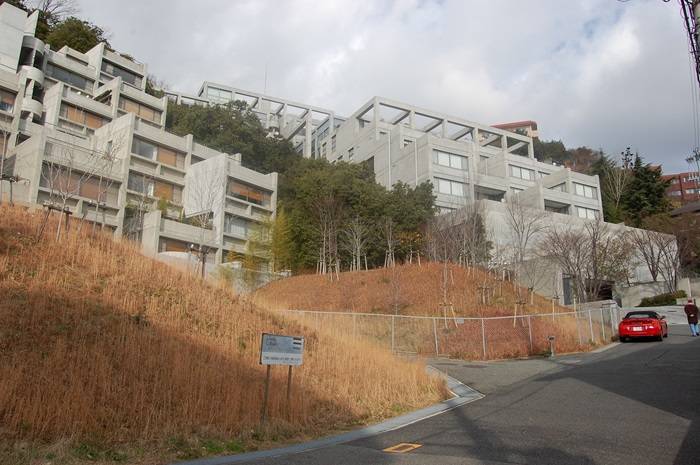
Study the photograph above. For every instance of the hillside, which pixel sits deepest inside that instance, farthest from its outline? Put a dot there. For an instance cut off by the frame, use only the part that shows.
(406, 290)
(108, 356)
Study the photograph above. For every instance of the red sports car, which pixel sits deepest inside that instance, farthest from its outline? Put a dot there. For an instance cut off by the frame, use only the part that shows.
(643, 324)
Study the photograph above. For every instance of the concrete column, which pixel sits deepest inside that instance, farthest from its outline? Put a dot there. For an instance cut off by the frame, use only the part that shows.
(531, 150)
(412, 119)
(504, 143)
(308, 128)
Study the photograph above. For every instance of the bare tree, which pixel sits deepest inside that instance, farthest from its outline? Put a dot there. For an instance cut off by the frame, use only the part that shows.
(617, 177)
(141, 205)
(390, 238)
(328, 216)
(58, 9)
(356, 235)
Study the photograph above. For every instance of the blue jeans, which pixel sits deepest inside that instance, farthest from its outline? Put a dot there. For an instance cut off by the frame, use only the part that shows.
(694, 329)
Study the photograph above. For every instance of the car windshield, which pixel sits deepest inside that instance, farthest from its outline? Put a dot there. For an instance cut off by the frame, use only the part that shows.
(641, 315)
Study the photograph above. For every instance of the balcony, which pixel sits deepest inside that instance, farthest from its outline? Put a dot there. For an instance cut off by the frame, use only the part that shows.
(187, 232)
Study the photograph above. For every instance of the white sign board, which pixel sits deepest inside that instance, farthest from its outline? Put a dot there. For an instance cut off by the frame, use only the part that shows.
(281, 350)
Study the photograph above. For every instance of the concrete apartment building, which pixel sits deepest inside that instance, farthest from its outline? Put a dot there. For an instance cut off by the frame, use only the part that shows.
(80, 130)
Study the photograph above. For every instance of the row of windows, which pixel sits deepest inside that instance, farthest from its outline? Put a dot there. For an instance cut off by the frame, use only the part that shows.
(154, 188)
(587, 213)
(79, 116)
(60, 179)
(219, 95)
(522, 173)
(158, 153)
(140, 110)
(70, 78)
(126, 75)
(585, 191)
(248, 193)
(445, 186)
(450, 160)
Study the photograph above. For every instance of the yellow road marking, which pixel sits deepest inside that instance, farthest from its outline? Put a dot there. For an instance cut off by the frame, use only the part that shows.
(402, 448)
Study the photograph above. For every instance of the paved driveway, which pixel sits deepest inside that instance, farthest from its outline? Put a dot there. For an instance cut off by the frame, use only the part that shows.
(636, 404)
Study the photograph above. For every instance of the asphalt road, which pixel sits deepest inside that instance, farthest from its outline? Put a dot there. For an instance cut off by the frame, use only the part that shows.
(637, 403)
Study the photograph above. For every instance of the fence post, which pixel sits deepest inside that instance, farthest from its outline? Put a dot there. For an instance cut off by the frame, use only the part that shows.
(612, 323)
(392, 332)
(529, 330)
(437, 349)
(590, 323)
(483, 337)
(602, 324)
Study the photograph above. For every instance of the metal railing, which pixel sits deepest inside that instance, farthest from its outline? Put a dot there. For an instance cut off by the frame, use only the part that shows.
(472, 338)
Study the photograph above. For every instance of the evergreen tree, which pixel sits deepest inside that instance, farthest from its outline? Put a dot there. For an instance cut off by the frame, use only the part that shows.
(645, 195)
(75, 33)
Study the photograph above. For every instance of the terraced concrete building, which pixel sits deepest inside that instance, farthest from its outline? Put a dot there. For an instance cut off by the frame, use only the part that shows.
(80, 134)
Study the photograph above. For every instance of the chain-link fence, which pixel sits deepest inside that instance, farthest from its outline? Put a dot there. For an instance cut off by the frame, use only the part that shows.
(473, 338)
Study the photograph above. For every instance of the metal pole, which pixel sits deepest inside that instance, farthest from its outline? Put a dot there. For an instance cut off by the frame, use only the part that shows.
(578, 328)
(289, 392)
(529, 330)
(267, 391)
(392, 332)
(483, 337)
(602, 323)
(590, 323)
(437, 350)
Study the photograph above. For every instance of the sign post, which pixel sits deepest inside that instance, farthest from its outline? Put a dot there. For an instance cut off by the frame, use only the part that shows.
(280, 350)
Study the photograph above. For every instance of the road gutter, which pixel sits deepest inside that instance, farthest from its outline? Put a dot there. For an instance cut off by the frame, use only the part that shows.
(462, 393)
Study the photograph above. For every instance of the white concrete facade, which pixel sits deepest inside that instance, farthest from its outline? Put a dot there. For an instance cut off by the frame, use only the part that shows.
(86, 120)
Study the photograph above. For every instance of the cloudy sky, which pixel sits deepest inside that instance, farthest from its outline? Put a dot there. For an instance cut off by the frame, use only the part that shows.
(601, 73)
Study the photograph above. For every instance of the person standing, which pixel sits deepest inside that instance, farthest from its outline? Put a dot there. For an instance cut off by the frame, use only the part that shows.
(691, 310)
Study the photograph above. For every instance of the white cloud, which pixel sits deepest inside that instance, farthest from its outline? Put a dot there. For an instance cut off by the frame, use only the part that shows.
(600, 73)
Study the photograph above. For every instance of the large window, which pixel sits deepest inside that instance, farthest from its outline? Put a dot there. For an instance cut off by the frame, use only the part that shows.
(126, 75)
(140, 110)
(522, 173)
(451, 160)
(248, 193)
(79, 116)
(586, 191)
(70, 78)
(445, 186)
(236, 225)
(7, 101)
(587, 213)
(73, 183)
(158, 153)
(219, 95)
(154, 188)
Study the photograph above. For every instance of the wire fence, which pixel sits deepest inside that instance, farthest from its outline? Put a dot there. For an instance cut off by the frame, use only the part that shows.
(473, 338)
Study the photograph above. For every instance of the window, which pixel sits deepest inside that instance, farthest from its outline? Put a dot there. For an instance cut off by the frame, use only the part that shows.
(68, 77)
(675, 193)
(126, 75)
(323, 150)
(249, 193)
(219, 95)
(333, 143)
(450, 160)
(445, 186)
(154, 188)
(236, 225)
(445, 210)
(158, 153)
(587, 213)
(407, 142)
(79, 116)
(522, 173)
(351, 152)
(585, 191)
(142, 111)
(59, 179)
(674, 180)
(7, 101)
(515, 190)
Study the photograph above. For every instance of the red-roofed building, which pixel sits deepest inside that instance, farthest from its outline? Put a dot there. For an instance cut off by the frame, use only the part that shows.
(684, 188)
(529, 128)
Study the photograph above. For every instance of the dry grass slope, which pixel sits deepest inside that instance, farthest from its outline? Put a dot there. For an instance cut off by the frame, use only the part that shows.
(118, 357)
(412, 289)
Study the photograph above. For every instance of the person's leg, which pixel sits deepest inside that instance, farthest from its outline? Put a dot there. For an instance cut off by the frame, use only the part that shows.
(692, 328)
(697, 330)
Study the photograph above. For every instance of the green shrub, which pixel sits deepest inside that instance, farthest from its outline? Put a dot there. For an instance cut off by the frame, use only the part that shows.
(662, 299)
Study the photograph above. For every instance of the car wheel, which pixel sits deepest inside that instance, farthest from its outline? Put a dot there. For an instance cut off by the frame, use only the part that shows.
(660, 337)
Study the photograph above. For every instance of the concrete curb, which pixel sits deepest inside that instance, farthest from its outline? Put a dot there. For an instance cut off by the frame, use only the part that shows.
(463, 394)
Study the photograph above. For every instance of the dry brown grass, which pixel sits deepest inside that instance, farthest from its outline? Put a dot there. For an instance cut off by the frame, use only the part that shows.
(418, 292)
(106, 355)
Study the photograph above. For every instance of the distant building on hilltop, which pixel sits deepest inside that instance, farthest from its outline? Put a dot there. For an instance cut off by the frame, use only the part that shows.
(684, 187)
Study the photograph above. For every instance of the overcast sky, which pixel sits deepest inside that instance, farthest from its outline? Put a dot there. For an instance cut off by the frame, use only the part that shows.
(601, 73)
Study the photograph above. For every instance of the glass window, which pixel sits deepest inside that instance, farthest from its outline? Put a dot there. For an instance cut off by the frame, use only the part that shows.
(68, 77)
(450, 160)
(445, 186)
(7, 101)
(154, 188)
(158, 153)
(583, 190)
(522, 173)
(587, 213)
(126, 75)
(145, 149)
(219, 95)
(248, 193)
(80, 116)
(236, 225)
(142, 111)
